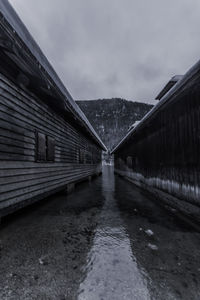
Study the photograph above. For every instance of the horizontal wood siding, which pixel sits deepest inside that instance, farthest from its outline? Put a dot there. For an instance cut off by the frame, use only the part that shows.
(21, 177)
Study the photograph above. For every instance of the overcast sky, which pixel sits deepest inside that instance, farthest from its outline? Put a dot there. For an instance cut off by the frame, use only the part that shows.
(115, 48)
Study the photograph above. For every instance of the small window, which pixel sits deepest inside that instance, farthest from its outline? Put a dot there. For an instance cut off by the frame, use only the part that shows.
(45, 147)
(129, 162)
(50, 148)
(81, 156)
(41, 147)
(88, 157)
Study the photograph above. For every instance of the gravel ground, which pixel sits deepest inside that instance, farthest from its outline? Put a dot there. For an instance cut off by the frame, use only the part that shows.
(44, 248)
(51, 250)
(172, 269)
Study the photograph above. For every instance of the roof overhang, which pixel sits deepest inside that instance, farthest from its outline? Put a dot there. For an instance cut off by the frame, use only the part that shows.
(182, 84)
(32, 70)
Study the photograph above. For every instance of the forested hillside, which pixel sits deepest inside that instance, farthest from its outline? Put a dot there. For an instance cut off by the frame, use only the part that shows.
(111, 118)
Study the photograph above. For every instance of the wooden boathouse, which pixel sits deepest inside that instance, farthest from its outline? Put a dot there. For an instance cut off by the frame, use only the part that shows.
(161, 153)
(46, 142)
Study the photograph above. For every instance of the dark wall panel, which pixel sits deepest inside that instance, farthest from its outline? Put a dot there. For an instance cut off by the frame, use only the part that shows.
(165, 152)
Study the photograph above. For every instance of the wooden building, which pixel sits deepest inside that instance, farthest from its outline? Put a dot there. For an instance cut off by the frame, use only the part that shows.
(46, 142)
(161, 153)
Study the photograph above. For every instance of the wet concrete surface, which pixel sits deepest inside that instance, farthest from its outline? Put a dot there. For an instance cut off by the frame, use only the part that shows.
(107, 240)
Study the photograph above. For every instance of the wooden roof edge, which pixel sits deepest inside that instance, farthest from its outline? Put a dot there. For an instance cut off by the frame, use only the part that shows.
(20, 29)
(166, 99)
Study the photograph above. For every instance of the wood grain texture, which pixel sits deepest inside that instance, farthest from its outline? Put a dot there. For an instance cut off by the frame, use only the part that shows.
(22, 178)
(165, 151)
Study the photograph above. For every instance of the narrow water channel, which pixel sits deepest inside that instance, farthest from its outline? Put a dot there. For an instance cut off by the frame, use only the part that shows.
(94, 244)
(112, 270)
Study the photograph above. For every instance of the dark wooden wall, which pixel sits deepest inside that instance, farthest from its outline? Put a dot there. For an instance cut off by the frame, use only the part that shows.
(22, 176)
(165, 153)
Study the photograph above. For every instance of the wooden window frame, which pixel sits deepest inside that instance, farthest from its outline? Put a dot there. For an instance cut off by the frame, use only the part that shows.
(43, 152)
(50, 148)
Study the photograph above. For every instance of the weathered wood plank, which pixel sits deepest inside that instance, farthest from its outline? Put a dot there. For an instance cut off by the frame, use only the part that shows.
(11, 141)
(5, 133)
(21, 177)
(26, 182)
(42, 186)
(14, 179)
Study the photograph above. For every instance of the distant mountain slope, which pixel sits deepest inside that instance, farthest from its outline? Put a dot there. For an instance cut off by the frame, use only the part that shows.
(111, 118)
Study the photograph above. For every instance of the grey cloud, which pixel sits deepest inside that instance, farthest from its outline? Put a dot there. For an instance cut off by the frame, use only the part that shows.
(115, 48)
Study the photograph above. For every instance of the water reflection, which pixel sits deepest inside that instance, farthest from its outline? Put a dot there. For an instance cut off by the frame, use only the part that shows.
(94, 236)
(111, 270)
